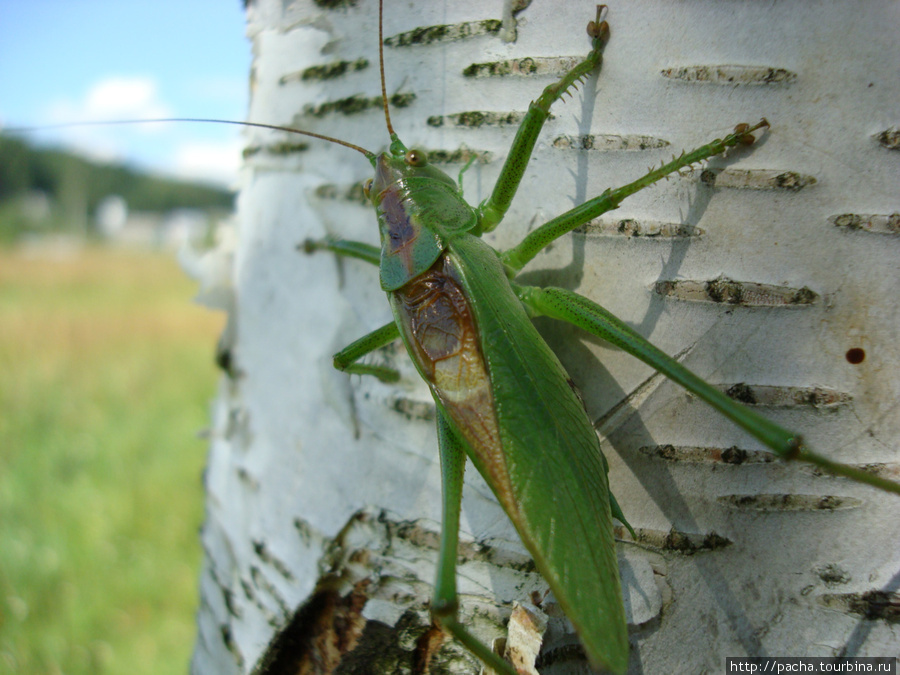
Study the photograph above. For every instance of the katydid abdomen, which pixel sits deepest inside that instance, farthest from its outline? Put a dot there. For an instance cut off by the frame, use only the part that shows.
(538, 452)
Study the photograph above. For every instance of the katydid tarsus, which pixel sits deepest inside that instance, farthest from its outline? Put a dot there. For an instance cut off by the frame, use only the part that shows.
(522, 348)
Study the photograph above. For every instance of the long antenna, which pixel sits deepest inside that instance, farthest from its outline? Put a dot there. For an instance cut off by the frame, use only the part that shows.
(369, 155)
(384, 98)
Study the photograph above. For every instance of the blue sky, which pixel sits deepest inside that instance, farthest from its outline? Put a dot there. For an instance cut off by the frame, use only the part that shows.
(77, 60)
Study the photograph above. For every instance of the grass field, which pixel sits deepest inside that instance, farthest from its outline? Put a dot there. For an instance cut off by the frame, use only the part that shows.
(106, 375)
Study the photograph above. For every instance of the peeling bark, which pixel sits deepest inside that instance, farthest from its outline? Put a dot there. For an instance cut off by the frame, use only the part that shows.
(323, 490)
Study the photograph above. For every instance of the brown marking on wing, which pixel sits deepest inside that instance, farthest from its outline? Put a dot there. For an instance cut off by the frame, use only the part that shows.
(444, 339)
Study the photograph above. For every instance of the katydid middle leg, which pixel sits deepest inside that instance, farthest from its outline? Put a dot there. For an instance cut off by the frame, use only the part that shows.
(445, 603)
(517, 257)
(346, 359)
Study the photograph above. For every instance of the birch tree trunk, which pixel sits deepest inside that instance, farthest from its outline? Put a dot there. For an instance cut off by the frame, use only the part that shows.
(774, 269)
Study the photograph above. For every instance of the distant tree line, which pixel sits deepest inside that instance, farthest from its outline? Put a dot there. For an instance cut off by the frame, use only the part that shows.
(74, 184)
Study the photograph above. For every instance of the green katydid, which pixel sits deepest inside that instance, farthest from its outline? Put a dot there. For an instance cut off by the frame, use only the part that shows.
(451, 292)
(523, 347)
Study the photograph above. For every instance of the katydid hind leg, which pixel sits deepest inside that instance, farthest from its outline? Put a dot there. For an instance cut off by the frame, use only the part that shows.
(576, 309)
(445, 601)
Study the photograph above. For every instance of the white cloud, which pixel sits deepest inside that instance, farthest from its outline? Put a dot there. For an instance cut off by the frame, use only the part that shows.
(112, 98)
(124, 98)
(157, 145)
(209, 161)
(228, 91)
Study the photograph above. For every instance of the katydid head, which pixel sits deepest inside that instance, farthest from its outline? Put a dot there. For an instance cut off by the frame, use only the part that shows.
(399, 162)
(391, 167)
(419, 207)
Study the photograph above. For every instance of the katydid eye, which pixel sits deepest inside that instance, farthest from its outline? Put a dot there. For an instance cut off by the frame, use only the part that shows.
(367, 187)
(416, 158)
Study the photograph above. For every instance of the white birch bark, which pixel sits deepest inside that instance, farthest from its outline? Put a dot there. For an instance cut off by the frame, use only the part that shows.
(323, 490)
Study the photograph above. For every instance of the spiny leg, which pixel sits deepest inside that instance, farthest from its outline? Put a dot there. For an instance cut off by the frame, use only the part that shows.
(445, 602)
(492, 210)
(578, 310)
(517, 257)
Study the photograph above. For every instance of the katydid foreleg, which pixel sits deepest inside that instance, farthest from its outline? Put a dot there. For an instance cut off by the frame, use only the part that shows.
(346, 359)
(350, 249)
(492, 210)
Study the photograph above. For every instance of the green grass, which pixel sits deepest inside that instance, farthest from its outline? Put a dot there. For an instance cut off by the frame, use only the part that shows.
(105, 379)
